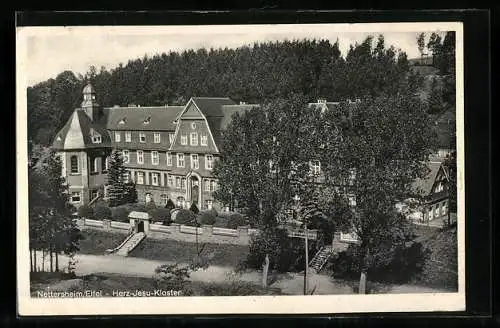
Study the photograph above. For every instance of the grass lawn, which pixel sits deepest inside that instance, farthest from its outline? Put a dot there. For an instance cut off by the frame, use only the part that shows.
(107, 283)
(184, 252)
(96, 242)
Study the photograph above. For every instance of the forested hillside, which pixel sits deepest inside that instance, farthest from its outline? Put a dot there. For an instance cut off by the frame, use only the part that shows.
(252, 73)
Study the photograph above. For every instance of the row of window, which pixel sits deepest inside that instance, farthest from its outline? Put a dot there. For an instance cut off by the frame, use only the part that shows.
(155, 159)
(173, 181)
(437, 210)
(193, 137)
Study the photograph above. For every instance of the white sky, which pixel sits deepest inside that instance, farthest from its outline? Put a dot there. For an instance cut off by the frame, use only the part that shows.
(51, 50)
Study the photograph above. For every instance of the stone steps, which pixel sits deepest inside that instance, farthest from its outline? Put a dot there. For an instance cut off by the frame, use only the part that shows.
(131, 244)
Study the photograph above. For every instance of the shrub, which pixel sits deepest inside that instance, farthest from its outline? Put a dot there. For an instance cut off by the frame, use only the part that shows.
(170, 204)
(401, 264)
(207, 218)
(214, 212)
(185, 217)
(194, 208)
(236, 220)
(150, 205)
(285, 253)
(160, 214)
(86, 211)
(102, 212)
(137, 207)
(120, 213)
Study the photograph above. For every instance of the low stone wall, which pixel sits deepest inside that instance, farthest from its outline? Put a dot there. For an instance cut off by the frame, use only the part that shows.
(204, 234)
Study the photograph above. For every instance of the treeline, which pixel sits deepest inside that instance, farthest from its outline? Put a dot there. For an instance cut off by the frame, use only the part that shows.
(255, 73)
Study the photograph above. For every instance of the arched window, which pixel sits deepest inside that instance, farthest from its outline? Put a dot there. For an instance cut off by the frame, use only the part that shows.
(74, 164)
(181, 202)
(96, 164)
(164, 199)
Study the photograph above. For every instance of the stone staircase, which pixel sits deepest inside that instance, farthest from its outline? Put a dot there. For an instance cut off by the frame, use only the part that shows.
(130, 243)
(320, 259)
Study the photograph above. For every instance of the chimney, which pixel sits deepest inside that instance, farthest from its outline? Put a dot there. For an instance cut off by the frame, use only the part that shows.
(321, 101)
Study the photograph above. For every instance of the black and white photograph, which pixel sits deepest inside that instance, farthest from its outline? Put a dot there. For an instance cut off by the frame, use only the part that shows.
(205, 169)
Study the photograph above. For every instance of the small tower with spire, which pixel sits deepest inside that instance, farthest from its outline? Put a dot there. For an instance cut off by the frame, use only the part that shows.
(89, 103)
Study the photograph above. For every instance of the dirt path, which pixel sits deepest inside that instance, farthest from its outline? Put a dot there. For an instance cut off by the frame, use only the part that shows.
(290, 284)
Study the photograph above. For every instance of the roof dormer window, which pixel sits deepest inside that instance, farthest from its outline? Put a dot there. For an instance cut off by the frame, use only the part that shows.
(122, 121)
(147, 120)
(95, 136)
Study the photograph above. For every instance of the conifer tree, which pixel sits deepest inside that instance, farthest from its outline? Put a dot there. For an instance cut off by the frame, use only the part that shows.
(116, 179)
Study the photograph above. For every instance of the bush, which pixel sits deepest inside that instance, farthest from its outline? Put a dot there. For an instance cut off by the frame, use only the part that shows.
(236, 220)
(400, 265)
(102, 212)
(150, 206)
(137, 207)
(185, 217)
(120, 213)
(285, 254)
(170, 204)
(86, 211)
(194, 208)
(207, 218)
(160, 214)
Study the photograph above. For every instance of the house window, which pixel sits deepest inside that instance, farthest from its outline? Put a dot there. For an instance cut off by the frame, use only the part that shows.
(183, 183)
(156, 137)
(170, 181)
(184, 139)
(209, 162)
(163, 199)
(93, 168)
(178, 182)
(76, 197)
(117, 137)
(436, 211)
(212, 185)
(104, 164)
(208, 204)
(180, 160)
(126, 156)
(171, 137)
(128, 136)
(193, 125)
(96, 138)
(142, 137)
(155, 177)
(155, 158)
(140, 177)
(149, 198)
(195, 164)
(74, 164)
(194, 139)
(352, 200)
(169, 159)
(140, 157)
(315, 167)
(203, 140)
(444, 208)
(206, 184)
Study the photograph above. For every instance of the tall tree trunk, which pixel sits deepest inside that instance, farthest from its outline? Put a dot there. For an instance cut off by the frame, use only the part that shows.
(362, 283)
(51, 260)
(57, 262)
(265, 271)
(34, 260)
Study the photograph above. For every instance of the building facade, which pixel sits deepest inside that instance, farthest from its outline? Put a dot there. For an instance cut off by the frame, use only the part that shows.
(168, 151)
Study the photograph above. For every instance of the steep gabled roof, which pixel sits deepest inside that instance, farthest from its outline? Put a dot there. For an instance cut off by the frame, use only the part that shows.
(424, 186)
(212, 106)
(159, 118)
(77, 133)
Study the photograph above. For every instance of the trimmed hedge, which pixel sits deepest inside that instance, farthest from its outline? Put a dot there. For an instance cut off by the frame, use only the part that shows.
(185, 217)
(207, 218)
(120, 213)
(236, 220)
(102, 212)
(160, 214)
(85, 211)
